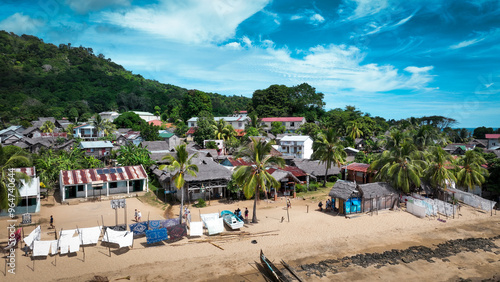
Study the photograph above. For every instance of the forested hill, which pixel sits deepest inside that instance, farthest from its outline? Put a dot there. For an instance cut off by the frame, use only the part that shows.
(40, 79)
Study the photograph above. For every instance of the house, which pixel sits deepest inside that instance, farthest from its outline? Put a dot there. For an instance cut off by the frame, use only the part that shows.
(96, 182)
(357, 172)
(34, 145)
(480, 143)
(133, 137)
(14, 131)
(291, 124)
(172, 139)
(316, 169)
(211, 179)
(237, 122)
(157, 149)
(87, 132)
(493, 140)
(98, 149)
(351, 153)
(231, 163)
(146, 116)
(459, 149)
(109, 116)
(190, 134)
(299, 147)
(62, 124)
(28, 192)
(377, 196)
(345, 197)
(287, 181)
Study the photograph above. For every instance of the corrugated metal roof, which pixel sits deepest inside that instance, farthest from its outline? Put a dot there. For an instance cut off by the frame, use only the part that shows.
(84, 176)
(358, 167)
(30, 171)
(95, 144)
(271, 119)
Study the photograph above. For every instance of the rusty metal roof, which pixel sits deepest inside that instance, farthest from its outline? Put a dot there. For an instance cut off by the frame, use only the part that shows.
(83, 176)
(30, 171)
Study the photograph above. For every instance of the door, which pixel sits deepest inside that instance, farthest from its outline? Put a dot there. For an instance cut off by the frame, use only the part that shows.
(70, 192)
(137, 185)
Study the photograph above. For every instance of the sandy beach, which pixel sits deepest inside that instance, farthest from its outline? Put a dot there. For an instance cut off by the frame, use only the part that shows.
(309, 236)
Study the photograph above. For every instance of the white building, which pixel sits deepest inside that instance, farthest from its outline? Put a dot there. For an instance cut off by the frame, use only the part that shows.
(493, 141)
(291, 124)
(96, 182)
(146, 116)
(29, 193)
(109, 116)
(237, 122)
(297, 146)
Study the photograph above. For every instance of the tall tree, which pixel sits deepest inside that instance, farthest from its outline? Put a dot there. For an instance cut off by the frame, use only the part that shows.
(439, 169)
(131, 154)
(328, 150)
(205, 128)
(195, 102)
(99, 125)
(180, 164)
(402, 166)
(471, 172)
(255, 178)
(47, 127)
(10, 180)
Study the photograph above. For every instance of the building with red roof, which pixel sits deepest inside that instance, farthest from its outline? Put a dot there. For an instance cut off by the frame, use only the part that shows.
(493, 141)
(358, 172)
(95, 182)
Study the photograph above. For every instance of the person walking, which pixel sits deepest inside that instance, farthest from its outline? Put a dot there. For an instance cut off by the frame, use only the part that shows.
(139, 215)
(51, 222)
(136, 214)
(246, 215)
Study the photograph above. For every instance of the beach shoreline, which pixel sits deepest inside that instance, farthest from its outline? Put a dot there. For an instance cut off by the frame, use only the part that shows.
(309, 237)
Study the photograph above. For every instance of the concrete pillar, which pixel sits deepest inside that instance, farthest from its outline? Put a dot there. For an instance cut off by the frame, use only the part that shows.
(128, 187)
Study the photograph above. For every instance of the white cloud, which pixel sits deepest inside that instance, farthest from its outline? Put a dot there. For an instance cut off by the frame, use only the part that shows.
(310, 16)
(21, 24)
(233, 45)
(366, 8)
(466, 43)
(188, 21)
(85, 6)
(247, 41)
(416, 70)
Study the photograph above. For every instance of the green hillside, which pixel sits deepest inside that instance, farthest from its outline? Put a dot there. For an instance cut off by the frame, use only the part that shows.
(40, 79)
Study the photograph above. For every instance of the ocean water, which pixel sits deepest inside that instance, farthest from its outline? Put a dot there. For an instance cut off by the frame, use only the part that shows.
(471, 129)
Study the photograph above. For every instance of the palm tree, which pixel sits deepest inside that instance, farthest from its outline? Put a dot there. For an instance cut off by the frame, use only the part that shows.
(471, 172)
(47, 127)
(354, 129)
(10, 180)
(256, 123)
(181, 164)
(327, 149)
(401, 166)
(439, 171)
(99, 124)
(255, 178)
(219, 127)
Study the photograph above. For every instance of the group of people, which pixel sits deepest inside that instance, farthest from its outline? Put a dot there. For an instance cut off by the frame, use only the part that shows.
(237, 212)
(329, 205)
(138, 215)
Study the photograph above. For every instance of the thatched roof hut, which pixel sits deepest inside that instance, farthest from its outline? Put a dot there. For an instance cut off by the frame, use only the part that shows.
(343, 190)
(315, 168)
(376, 189)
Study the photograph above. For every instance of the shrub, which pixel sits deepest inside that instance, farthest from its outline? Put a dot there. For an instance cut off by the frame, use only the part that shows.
(300, 188)
(201, 203)
(313, 186)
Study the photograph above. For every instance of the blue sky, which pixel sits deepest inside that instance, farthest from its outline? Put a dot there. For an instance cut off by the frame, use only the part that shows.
(393, 59)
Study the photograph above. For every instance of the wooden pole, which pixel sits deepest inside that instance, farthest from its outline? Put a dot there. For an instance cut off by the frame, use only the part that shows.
(81, 241)
(109, 248)
(116, 216)
(287, 214)
(307, 208)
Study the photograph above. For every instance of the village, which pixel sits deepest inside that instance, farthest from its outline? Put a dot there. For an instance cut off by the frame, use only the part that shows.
(103, 202)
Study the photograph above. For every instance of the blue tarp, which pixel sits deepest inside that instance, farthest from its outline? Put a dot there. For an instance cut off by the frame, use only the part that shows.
(155, 224)
(157, 235)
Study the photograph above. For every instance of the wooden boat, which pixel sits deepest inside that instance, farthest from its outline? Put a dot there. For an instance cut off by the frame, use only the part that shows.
(271, 271)
(231, 219)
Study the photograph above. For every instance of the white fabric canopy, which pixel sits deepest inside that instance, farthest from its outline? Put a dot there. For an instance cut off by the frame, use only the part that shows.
(208, 216)
(53, 247)
(90, 235)
(69, 232)
(122, 238)
(74, 244)
(215, 226)
(35, 235)
(196, 228)
(41, 248)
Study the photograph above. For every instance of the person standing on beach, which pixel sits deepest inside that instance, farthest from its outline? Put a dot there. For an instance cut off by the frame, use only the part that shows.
(139, 216)
(288, 204)
(136, 214)
(246, 215)
(51, 222)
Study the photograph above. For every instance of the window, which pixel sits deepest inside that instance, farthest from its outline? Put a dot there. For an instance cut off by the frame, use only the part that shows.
(80, 188)
(283, 123)
(240, 124)
(113, 185)
(292, 124)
